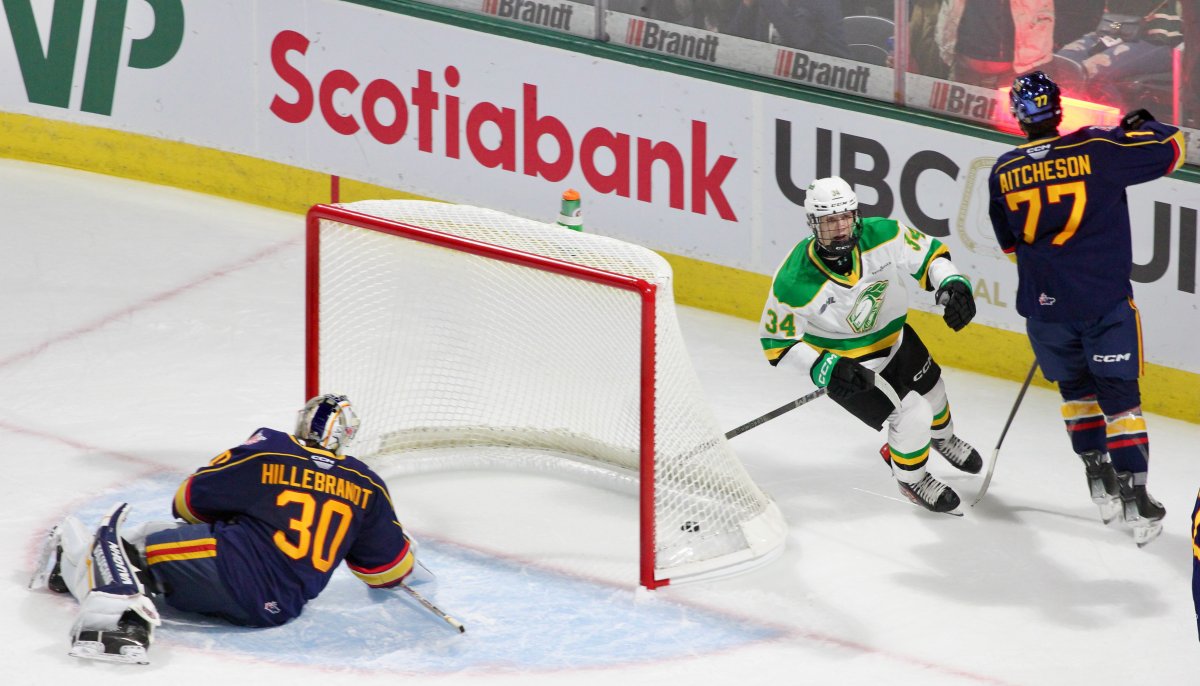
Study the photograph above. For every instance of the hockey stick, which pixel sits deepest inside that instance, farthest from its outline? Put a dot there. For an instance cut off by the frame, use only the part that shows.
(987, 480)
(437, 611)
(775, 413)
(880, 383)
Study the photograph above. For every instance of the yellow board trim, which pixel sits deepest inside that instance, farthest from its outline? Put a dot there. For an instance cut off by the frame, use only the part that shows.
(1166, 391)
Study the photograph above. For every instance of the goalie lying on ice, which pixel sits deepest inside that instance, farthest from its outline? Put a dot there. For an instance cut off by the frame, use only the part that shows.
(265, 525)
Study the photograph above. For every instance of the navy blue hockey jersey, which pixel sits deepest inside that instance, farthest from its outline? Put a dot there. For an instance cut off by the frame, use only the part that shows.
(1060, 204)
(285, 515)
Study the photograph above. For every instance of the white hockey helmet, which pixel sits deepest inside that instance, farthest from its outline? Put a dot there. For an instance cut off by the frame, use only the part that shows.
(834, 198)
(327, 421)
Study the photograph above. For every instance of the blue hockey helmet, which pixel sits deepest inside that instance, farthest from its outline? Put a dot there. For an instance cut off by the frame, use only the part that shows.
(327, 421)
(1035, 99)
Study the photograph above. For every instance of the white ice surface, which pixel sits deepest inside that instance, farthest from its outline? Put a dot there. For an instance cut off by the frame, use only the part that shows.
(146, 329)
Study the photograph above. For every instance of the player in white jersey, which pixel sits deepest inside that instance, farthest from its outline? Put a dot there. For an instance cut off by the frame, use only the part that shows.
(836, 313)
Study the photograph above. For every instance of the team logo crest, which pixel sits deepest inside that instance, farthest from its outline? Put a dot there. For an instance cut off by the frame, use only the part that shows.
(865, 312)
(258, 437)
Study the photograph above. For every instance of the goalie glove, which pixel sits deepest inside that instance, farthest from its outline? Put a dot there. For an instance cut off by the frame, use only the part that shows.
(955, 295)
(1134, 120)
(844, 377)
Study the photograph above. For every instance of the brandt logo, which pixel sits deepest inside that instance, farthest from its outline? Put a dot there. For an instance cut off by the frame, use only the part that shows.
(956, 99)
(530, 12)
(800, 66)
(651, 36)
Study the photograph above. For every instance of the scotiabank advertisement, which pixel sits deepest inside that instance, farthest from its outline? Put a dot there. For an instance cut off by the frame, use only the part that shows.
(681, 165)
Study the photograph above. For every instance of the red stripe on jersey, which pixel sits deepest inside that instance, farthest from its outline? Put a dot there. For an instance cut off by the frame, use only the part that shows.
(1082, 426)
(183, 547)
(1142, 440)
(383, 567)
(1177, 154)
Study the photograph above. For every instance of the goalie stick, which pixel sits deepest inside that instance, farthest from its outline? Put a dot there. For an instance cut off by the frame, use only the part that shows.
(437, 611)
(987, 479)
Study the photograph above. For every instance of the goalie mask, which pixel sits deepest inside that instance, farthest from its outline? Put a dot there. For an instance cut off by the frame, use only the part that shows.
(832, 210)
(327, 421)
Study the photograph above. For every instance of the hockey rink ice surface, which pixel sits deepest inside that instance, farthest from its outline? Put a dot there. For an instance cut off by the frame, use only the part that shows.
(147, 329)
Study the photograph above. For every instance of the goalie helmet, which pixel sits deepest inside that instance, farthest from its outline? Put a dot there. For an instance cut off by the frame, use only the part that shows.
(327, 421)
(832, 210)
(1035, 99)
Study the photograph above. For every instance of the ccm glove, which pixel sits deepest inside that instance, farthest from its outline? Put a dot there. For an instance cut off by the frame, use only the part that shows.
(843, 376)
(1134, 120)
(955, 295)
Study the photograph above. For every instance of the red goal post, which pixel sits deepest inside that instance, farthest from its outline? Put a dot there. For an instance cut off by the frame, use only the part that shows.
(445, 325)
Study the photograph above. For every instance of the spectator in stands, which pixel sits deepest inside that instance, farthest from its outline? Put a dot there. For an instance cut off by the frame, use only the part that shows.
(1126, 62)
(924, 57)
(700, 14)
(1190, 88)
(810, 25)
(988, 42)
(1074, 18)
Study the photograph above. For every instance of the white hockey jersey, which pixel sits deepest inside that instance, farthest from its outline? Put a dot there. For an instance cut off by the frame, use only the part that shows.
(860, 314)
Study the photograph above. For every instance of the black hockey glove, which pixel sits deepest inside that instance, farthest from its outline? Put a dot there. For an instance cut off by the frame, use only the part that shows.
(844, 377)
(955, 295)
(1134, 120)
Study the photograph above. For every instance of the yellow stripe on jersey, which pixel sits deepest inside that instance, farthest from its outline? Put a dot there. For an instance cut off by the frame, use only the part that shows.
(387, 576)
(1080, 409)
(1137, 320)
(181, 503)
(909, 459)
(176, 551)
(775, 353)
(1126, 424)
(881, 344)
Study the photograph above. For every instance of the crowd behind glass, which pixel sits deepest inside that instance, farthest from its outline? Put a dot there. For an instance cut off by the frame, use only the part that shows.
(1122, 53)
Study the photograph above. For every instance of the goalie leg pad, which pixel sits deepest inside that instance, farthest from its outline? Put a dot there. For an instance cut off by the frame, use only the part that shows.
(62, 565)
(116, 620)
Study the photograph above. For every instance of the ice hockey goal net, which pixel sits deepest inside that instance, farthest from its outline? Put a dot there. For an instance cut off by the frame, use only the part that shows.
(457, 329)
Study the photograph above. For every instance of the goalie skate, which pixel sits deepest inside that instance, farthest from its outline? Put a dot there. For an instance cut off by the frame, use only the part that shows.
(1142, 512)
(1102, 484)
(127, 644)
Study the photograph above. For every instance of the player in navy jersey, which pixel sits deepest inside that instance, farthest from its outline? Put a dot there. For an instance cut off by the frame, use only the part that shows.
(266, 524)
(1196, 560)
(1058, 203)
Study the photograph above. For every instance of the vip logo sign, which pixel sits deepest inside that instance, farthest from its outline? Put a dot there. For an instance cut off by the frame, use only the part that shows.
(49, 70)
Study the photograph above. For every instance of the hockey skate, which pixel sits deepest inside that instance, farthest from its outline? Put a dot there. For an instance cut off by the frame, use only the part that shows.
(959, 453)
(931, 494)
(48, 572)
(1142, 512)
(1102, 484)
(128, 643)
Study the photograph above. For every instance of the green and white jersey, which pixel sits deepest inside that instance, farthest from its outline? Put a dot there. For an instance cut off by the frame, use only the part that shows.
(860, 314)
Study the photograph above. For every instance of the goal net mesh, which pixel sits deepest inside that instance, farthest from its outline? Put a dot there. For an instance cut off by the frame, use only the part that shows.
(444, 351)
